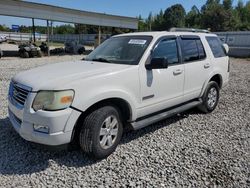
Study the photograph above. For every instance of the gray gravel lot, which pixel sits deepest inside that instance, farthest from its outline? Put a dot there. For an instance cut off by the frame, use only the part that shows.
(191, 149)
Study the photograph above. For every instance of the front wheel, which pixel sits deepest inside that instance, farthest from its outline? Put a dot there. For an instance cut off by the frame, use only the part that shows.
(210, 97)
(101, 132)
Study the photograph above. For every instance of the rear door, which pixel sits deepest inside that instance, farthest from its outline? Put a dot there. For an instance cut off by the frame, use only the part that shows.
(196, 64)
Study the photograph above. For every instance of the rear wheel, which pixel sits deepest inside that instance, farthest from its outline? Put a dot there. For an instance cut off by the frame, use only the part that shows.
(210, 97)
(25, 55)
(101, 132)
(39, 53)
(81, 50)
(20, 53)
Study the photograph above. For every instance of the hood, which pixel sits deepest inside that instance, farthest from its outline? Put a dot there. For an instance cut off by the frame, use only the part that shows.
(56, 76)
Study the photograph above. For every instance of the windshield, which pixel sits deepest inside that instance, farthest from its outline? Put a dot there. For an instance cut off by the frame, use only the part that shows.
(126, 50)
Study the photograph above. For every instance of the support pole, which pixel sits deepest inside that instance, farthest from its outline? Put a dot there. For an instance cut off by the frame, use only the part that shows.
(99, 35)
(33, 30)
(51, 26)
(48, 37)
(113, 31)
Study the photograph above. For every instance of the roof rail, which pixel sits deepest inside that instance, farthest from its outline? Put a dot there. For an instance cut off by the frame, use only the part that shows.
(174, 29)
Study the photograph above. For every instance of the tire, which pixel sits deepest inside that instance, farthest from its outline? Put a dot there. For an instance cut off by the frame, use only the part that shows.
(210, 98)
(39, 53)
(81, 50)
(32, 53)
(25, 55)
(20, 53)
(97, 137)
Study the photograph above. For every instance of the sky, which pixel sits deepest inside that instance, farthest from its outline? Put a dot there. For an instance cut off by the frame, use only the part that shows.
(131, 8)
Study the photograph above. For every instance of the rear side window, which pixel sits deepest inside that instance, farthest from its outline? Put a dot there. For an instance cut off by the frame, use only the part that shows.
(192, 49)
(216, 47)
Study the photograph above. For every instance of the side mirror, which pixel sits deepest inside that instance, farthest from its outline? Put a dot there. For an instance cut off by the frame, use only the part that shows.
(157, 63)
(226, 47)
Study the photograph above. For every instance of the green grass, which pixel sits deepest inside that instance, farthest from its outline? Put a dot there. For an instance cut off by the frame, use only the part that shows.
(56, 44)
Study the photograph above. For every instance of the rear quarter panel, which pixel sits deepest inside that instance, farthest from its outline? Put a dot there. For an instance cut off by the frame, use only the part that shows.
(219, 66)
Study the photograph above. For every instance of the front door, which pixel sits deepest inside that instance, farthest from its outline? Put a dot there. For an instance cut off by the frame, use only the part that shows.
(162, 88)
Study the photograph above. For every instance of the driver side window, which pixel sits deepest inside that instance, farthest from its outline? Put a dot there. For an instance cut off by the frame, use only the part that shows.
(167, 48)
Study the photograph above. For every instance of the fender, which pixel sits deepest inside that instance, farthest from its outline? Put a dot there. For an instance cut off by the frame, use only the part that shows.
(215, 72)
(94, 97)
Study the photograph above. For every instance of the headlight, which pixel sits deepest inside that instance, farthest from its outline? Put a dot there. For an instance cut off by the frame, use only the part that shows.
(53, 100)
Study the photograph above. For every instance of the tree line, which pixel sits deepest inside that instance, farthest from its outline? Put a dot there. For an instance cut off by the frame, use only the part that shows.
(214, 15)
(68, 29)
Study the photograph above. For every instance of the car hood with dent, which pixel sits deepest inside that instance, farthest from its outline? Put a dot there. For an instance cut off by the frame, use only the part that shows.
(56, 76)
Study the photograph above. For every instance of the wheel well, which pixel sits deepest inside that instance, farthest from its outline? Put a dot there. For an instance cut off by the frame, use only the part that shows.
(121, 104)
(218, 79)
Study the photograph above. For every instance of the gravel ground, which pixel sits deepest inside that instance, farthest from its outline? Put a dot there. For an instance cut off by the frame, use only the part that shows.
(191, 149)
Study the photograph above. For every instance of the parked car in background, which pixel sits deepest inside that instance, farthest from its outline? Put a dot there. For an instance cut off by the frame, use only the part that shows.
(74, 47)
(44, 47)
(29, 50)
(1, 53)
(3, 38)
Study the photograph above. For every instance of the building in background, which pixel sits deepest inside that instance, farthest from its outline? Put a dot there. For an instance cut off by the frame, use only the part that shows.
(238, 42)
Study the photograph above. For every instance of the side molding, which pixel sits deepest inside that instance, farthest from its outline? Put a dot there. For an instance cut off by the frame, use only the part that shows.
(163, 115)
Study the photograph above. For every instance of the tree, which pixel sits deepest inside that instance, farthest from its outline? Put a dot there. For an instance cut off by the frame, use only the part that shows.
(149, 21)
(142, 26)
(248, 12)
(174, 16)
(64, 29)
(230, 18)
(80, 29)
(158, 22)
(244, 15)
(228, 4)
(4, 28)
(193, 18)
(213, 15)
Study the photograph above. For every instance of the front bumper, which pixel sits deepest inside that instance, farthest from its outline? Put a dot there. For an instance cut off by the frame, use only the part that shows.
(60, 123)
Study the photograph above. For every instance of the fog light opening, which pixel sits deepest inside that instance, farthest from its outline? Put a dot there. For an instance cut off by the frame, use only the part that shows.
(41, 128)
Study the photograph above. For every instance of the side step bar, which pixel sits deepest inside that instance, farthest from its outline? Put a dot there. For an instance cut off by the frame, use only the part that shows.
(158, 117)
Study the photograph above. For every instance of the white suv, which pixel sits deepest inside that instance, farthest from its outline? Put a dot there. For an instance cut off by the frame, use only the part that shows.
(130, 80)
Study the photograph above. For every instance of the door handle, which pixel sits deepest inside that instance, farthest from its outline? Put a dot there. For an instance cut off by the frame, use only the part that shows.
(177, 72)
(206, 66)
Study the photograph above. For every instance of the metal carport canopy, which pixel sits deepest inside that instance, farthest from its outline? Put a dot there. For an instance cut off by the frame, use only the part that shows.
(55, 13)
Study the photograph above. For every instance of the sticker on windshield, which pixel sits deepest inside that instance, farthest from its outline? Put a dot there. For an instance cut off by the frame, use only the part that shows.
(137, 41)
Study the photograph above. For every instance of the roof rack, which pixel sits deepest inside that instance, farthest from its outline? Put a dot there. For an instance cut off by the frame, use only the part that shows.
(175, 29)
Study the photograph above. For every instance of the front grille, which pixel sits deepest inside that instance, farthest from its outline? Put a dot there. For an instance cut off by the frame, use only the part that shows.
(18, 94)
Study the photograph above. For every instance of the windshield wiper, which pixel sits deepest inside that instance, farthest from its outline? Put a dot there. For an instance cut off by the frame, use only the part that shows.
(101, 60)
